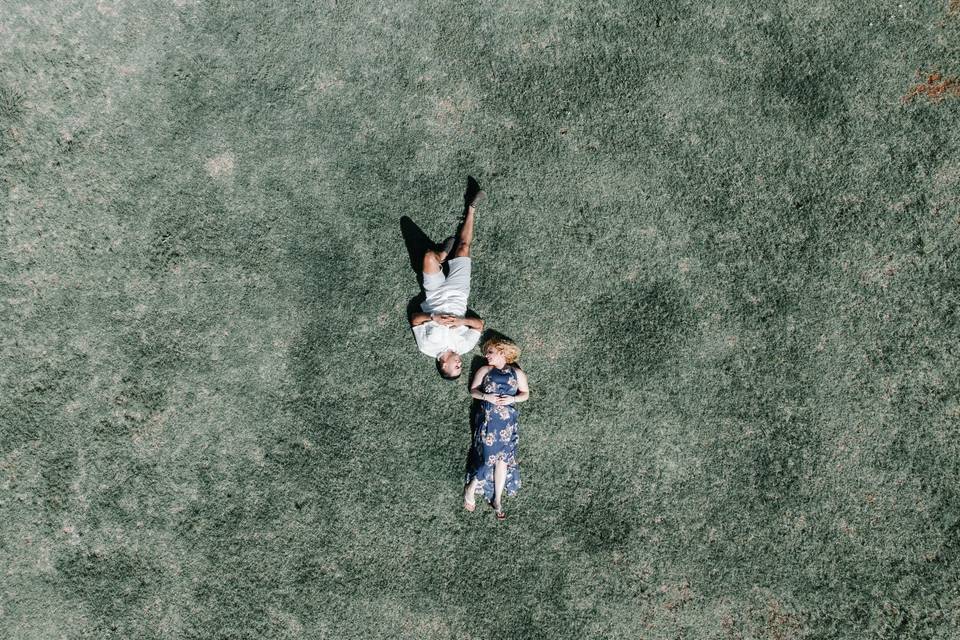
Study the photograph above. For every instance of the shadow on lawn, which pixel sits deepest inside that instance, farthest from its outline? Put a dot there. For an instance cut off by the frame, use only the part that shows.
(418, 243)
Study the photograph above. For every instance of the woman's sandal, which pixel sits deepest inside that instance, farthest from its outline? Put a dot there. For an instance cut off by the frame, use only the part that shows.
(469, 506)
(499, 512)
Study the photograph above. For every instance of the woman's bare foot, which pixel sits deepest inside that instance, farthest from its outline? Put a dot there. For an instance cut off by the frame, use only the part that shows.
(469, 502)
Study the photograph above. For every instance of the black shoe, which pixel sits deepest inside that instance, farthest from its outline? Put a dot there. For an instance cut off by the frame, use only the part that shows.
(446, 247)
(478, 197)
(474, 193)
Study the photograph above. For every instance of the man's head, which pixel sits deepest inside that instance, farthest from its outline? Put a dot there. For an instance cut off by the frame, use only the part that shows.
(449, 364)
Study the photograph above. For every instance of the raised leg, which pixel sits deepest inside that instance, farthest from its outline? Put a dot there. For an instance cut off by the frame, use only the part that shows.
(465, 234)
(431, 262)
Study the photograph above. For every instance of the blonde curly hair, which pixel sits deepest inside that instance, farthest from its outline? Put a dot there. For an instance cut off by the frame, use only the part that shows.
(507, 347)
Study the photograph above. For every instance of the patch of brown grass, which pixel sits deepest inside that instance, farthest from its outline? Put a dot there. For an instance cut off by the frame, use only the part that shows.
(780, 624)
(220, 166)
(935, 88)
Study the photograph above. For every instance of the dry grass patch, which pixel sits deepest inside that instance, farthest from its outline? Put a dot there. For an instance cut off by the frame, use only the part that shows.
(221, 166)
(935, 88)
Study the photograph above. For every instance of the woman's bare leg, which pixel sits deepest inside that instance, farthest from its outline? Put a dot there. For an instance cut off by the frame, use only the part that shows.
(469, 491)
(499, 480)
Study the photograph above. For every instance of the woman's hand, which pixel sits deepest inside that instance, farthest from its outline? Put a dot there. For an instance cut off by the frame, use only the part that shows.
(503, 400)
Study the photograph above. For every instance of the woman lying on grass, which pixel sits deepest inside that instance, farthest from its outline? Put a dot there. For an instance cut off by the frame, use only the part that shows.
(492, 464)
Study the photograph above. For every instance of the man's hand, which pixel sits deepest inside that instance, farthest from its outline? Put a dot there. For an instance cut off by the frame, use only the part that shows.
(446, 320)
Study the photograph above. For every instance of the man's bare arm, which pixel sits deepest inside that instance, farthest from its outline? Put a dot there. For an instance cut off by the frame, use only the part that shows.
(419, 318)
(473, 323)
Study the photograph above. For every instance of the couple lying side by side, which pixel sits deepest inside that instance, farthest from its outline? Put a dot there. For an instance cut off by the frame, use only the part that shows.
(444, 333)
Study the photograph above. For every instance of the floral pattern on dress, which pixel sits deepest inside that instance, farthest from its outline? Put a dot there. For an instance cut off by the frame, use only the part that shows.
(496, 436)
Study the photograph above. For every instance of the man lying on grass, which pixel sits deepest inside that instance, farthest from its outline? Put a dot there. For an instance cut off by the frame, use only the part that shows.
(441, 328)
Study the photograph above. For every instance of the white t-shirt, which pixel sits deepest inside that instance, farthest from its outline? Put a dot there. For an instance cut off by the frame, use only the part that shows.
(433, 339)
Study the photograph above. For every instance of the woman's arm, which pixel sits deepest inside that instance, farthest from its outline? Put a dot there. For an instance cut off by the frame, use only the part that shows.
(475, 392)
(523, 389)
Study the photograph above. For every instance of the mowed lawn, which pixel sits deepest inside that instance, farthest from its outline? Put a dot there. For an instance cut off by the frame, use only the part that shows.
(724, 241)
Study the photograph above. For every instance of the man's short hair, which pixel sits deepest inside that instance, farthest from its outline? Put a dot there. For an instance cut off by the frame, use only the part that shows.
(443, 374)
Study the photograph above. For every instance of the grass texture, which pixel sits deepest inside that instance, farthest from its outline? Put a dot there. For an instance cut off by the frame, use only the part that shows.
(725, 241)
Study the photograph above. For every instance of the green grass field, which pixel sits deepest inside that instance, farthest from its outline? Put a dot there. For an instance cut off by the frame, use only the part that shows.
(726, 244)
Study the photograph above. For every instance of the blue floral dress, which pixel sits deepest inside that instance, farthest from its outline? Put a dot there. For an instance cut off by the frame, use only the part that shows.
(496, 434)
